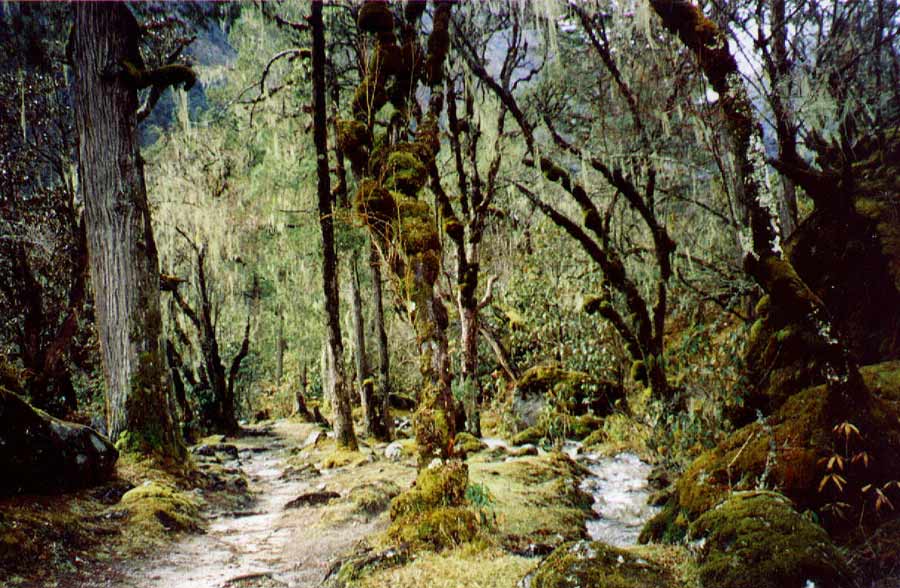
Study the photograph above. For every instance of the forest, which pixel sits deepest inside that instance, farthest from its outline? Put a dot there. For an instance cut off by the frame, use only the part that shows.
(489, 294)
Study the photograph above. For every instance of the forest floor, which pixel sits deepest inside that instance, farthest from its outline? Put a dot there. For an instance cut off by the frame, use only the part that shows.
(271, 543)
(280, 506)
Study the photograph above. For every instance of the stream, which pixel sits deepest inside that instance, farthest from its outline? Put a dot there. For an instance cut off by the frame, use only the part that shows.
(620, 488)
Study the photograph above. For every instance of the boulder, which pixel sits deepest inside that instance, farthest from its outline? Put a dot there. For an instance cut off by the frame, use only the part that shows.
(40, 453)
(567, 392)
(596, 564)
(758, 540)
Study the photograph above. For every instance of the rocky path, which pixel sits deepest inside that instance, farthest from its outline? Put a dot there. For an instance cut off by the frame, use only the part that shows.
(266, 545)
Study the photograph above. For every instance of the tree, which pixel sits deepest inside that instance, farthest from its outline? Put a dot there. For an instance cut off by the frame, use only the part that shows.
(343, 418)
(123, 259)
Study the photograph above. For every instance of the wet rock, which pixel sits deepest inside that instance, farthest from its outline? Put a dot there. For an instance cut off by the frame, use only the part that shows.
(215, 448)
(44, 454)
(313, 439)
(312, 499)
(758, 540)
(598, 565)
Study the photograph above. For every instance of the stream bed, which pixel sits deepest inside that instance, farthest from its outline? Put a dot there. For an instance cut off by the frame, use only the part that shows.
(621, 492)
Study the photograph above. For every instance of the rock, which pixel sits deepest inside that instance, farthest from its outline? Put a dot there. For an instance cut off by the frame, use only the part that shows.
(212, 449)
(791, 449)
(468, 443)
(312, 499)
(529, 436)
(47, 455)
(758, 540)
(394, 451)
(156, 504)
(523, 451)
(373, 498)
(598, 565)
(313, 439)
(574, 393)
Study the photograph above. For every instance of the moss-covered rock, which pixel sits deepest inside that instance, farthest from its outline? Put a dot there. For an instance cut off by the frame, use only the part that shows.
(155, 507)
(758, 540)
(567, 392)
(791, 449)
(373, 498)
(468, 443)
(44, 454)
(598, 565)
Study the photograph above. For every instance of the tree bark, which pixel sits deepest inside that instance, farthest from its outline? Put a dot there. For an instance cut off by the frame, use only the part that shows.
(363, 381)
(343, 418)
(280, 345)
(384, 367)
(123, 258)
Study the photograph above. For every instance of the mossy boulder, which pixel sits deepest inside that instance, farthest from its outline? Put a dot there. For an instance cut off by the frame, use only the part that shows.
(592, 563)
(568, 392)
(468, 443)
(758, 540)
(44, 454)
(434, 513)
(155, 507)
(373, 498)
(790, 451)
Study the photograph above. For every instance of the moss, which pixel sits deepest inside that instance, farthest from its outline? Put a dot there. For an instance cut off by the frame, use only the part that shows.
(471, 565)
(468, 443)
(155, 507)
(763, 306)
(161, 77)
(639, 372)
(373, 498)
(405, 172)
(598, 437)
(669, 525)
(758, 540)
(530, 436)
(454, 229)
(368, 99)
(375, 17)
(433, 513)
(596, 564)
(341, 457)
(374, 204)
(581, 426)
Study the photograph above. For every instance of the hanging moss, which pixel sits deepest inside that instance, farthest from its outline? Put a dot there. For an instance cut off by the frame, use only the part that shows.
(387, 60)
(639, 372)
(454, 229)
(375, 17)
(438, 44)
(413, 10)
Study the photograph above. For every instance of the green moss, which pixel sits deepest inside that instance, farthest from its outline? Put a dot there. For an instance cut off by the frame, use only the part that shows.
(468, 443)
(764, 306)
(416, 231)
(669, 525)
(373, 498)
(758, 540)
(596, 564)
(374, 204)
(341, 457)
(639, 372)
(405, 172)
(156, 507)
(368, 99)
(433, 512)
(530, 436)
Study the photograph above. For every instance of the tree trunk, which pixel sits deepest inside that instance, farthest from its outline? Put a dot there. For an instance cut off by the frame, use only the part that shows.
(363, 379)
(384, 376)
(467, 285)
(343, 418)
(300, 408)
(123, 258)
(280, 345)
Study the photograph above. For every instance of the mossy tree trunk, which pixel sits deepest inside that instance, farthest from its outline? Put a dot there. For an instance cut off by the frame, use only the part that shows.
(387, 198)
(123, 258)
(343, 417)
(763, 259)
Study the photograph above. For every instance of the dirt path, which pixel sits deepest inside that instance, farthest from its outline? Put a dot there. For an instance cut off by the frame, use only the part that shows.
(268, 545)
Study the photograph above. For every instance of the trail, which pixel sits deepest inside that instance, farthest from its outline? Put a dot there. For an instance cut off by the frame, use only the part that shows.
(266, 545)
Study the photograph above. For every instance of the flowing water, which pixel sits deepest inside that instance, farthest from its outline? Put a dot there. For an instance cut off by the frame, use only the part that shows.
(620, 488)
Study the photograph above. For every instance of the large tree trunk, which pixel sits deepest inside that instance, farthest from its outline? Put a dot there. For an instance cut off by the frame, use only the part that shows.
(343, 418)
(123, 257)
(384, 366)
